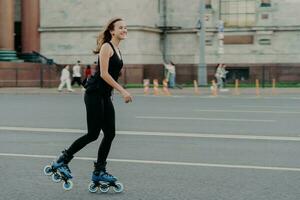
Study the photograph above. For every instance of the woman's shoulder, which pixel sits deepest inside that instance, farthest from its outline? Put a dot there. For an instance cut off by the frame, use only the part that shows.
(106, 47)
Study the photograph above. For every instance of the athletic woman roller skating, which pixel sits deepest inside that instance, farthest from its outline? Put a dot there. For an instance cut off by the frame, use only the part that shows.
(100, 112)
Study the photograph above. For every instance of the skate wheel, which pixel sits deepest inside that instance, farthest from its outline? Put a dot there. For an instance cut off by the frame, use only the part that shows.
(68, 185)
(93, 187)
(104, 187)
(56, 177)
(119, 187)
(48, 170)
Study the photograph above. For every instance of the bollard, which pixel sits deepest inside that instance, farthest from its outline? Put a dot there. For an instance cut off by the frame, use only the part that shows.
(196, 88)
(155, 87)
(214, 88)
(146, 83)
(237, 90)
(257, 87)
(274, 86)
(165, 87)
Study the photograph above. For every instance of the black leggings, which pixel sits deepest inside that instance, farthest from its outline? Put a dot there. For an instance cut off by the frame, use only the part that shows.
(100, 116)
(76, 80)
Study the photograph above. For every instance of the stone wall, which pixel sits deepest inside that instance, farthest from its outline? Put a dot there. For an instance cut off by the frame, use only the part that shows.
(69, 31)
(28, 75)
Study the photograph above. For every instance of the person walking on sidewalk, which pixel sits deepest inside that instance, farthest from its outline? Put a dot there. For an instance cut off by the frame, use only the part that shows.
(221, 76)
(65, 79)
(87, 74)
(76, 74)
(99, 107)
(170, 73)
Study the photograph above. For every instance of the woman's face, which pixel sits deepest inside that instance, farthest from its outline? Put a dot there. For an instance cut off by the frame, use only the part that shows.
(120, 30)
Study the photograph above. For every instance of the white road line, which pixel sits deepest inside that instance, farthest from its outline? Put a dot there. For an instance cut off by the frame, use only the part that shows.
(164, 134)
(249, 111)
(31, 129)
(211, 135)
(265, 106)
(163, 162)
(204, 119)
(207, 95)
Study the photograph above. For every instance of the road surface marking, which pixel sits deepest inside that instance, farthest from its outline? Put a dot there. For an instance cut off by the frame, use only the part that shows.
(250, 111)
(164, 162)
(264, 106)
(165, 134)
(204, 119)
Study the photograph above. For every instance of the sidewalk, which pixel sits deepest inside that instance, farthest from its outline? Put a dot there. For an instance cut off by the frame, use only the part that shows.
(174, 92)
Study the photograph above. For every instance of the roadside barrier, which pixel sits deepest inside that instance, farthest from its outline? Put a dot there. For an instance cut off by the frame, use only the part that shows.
(274, 92)
(165, 87)
(196, 88)
(257, 87)
(214, 88)
(155, 87)
(237, 89)
(146, 86)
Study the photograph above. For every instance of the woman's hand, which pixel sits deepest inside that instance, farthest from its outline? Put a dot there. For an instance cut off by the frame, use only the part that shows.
(127, 96)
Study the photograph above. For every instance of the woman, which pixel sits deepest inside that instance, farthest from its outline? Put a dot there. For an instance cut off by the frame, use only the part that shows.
(87, 74)
(99, 107)
(219, 75)
(65, 79)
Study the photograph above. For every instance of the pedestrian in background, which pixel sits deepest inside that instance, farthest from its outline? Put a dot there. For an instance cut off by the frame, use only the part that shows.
(76, 74)
(170, 74)
(87, 74)
(221, 76)
(65, 79)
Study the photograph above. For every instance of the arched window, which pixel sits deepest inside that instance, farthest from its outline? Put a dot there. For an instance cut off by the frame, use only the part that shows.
(265, 3)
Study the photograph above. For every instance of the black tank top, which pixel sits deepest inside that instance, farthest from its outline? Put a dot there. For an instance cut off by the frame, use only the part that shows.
(115, 65)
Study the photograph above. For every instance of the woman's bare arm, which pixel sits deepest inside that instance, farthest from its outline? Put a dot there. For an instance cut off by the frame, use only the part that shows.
(105, 53)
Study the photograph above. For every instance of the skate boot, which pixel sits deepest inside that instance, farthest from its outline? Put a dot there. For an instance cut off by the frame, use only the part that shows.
(102, 180)
(60, 170)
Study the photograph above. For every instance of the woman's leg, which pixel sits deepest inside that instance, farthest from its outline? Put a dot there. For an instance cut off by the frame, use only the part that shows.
(61, 85)
(109, 132)
(94, 110)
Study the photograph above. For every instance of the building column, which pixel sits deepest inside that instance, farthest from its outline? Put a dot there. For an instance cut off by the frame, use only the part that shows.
(7, 33)
(30, 15)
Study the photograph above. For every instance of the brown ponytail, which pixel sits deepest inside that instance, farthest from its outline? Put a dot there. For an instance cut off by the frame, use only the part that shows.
(105, 36)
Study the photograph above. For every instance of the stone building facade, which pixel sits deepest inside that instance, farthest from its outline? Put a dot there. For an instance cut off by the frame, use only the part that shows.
(261, 37)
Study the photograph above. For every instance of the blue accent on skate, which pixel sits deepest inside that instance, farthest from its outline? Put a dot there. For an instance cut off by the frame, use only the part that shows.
(105, 177)
(63, 169)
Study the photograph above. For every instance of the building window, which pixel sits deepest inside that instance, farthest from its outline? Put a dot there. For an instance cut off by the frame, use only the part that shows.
(238, 13)
(208, 4)
(238, 39)
(264, 41)
(265, 3)
(241, 73)
(264, 16)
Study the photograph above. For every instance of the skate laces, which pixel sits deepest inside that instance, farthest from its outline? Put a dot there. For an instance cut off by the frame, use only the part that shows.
(66, 167)
(104, 173)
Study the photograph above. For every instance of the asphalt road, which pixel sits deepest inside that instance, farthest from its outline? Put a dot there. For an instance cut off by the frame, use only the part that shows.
(185, 147)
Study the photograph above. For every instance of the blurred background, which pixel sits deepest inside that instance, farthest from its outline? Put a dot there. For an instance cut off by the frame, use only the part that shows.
(183, 143)
(256, 39)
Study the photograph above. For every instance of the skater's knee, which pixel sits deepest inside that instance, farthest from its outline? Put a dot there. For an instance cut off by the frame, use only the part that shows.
(92, 137)
(109, 135)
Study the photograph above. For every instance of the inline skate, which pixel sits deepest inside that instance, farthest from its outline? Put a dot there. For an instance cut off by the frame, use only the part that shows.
(103, 181)
(60, 171)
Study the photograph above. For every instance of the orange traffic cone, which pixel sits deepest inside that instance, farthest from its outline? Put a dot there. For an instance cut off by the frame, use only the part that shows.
(196, 88)
(155, 87)
(214, 88)
(146, 86)
(165, 87)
